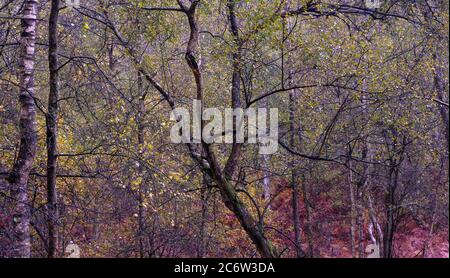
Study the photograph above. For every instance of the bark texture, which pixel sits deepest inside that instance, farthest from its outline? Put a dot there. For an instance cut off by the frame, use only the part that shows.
(52, 129)
(18, 178)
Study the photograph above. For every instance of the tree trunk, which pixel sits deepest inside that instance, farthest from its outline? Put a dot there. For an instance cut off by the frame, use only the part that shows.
(140, 139)
(203, 222)
(52, 129)
(366, 180)
(390, 213)
(266, 162)
(19, 175)
(294, 179)
(308, 226)
(228, 192)
(352, 208)
(234, 203)
(366, 187)
(359, 222)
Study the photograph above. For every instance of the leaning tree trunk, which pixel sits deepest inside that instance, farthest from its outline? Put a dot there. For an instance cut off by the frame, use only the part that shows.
(18, 178)
(52, 128)
(232, 201)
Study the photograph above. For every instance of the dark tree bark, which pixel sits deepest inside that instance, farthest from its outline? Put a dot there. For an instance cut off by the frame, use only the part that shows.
(390, 214)
(294, 179)
(235, 85)
(52, 129)
(294, 182)
(397, 150)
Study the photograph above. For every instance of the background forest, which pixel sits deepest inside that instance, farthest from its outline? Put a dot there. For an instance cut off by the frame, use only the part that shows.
(86, 93)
